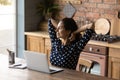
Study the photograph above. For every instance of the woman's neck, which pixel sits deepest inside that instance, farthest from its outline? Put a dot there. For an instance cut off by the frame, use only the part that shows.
(65, 41)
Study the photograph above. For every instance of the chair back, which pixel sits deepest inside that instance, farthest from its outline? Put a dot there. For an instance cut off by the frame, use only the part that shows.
(84, 65)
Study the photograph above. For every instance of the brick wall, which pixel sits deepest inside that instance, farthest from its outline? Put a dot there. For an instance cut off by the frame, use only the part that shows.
(94, 9)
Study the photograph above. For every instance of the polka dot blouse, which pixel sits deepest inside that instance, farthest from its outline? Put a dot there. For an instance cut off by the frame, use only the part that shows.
(66, 56)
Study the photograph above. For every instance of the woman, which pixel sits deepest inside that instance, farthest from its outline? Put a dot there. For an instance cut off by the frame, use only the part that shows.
(67, 42)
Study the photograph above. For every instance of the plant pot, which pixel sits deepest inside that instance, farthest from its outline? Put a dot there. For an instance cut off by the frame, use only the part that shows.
(43, 26)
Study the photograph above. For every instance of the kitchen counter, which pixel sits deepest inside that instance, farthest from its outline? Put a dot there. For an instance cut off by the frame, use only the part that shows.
(38, 33)
(100, 43)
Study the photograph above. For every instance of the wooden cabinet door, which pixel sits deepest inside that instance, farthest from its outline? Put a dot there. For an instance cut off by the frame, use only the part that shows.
(47, 46)
(35, 43)
(114, 63)
(115, 27)
(114, 68)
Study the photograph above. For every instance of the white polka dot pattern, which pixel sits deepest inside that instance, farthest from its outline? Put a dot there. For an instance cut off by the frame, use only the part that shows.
(66, 56)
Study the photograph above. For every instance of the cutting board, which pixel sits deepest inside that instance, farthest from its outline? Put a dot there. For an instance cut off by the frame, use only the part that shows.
(102, 26)
(115, 27)
(69, 10)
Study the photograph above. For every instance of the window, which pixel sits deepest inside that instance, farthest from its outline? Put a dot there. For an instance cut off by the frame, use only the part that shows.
(7, 27)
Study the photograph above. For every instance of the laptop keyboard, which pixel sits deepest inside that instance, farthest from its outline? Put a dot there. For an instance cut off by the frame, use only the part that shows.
(51, 70)
(54, 69)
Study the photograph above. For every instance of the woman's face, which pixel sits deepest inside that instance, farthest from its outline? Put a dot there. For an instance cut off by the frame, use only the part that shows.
(61, 32)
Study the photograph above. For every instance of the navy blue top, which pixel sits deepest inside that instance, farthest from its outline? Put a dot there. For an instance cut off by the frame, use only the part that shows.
(66, 56)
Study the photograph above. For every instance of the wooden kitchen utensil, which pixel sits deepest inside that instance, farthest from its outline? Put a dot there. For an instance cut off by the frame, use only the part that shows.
(102, 26)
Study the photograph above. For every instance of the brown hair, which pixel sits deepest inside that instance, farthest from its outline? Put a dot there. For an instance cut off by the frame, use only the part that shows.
(70, 24)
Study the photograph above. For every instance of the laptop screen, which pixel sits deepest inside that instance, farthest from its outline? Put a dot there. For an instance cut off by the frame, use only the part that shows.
(38, 61)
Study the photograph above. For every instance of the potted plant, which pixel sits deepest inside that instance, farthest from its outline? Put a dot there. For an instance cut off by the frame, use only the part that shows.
(47, 8)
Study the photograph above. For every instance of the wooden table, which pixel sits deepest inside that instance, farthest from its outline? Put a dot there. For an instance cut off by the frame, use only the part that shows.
(26, 74)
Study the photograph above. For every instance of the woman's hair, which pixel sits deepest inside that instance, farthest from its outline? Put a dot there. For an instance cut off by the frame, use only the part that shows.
(70, 24)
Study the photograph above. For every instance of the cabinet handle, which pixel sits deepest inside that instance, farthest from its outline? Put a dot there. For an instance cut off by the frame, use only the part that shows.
(98, 50)
(101, 58)
(90, 49)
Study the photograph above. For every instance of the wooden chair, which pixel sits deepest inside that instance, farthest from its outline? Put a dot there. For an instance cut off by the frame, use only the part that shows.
(84, 65)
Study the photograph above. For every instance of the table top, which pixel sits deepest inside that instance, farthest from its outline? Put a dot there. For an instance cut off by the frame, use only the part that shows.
(27, 74)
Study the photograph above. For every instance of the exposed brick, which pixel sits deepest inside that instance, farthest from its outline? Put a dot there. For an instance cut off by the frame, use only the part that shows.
(85, 9)
(76, 18)
(118, 1)
(108, 16)
(93, 5)
(82, 9)
(99, 10)
(96, 9)
(80, 14)
(95, 1)
(77, 7)
(115, 8)
(84, 1)
(118, 7)
(110, 1)
(89, 9)
(108, 11)
(104, 6)
(92, 15)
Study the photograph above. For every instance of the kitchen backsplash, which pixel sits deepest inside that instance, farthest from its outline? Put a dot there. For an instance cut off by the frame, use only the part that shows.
(93, 9)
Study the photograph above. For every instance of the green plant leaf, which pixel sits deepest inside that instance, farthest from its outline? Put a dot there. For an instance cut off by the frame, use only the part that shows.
(47, 7)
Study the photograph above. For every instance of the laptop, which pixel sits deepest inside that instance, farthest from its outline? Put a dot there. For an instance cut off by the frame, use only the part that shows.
(39, 62)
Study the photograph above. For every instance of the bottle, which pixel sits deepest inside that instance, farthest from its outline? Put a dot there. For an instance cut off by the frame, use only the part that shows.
(11, 57)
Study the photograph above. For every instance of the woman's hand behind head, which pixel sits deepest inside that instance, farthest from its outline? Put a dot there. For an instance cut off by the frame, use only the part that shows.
(72, 37)
(91, 26)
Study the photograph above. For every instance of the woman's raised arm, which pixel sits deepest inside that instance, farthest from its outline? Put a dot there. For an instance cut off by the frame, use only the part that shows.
(54, 22)
(81, 29)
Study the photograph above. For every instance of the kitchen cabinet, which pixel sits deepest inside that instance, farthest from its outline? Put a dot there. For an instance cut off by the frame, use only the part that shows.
(38, 41)
(114, 52)
(47, 46)
(35, 43)
(114, 63)
(115, 27)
